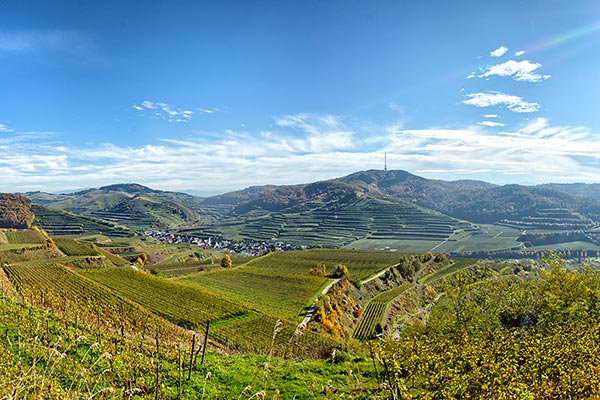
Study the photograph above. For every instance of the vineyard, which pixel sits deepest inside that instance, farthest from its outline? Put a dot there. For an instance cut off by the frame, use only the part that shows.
(182, 304)
(373, 316)
(25, 237)
(458, 264)
(58, 222)
(279, 284)
(72, 247)
(52, 286)
(45, 356)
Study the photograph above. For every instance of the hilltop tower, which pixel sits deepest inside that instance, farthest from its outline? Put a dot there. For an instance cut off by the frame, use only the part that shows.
(385, 162)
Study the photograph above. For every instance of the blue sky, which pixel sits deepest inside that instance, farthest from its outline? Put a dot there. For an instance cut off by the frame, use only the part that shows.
(217, 96)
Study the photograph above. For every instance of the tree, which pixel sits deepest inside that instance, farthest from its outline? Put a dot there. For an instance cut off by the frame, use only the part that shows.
(226, 261)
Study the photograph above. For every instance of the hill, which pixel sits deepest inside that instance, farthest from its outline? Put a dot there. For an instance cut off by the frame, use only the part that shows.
(132, 205)
(589, 190)
(367, 209)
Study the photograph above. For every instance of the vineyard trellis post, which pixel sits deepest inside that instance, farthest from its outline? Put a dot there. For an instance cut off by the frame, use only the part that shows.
(191, 357)
(156, 382)
(179, 369)
(205, 341)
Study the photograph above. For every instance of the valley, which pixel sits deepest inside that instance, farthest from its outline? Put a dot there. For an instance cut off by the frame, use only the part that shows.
(331, 278)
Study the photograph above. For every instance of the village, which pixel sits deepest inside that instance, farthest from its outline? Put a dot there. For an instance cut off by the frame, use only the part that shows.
(245, 248)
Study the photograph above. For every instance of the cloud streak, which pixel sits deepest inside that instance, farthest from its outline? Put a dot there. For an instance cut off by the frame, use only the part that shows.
(490, 99)
(305, 148)
(165, 111)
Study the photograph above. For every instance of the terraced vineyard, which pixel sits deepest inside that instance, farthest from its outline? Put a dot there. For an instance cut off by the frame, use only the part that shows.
(279, 284)
(72, 247)
(552, 219)
(375, 312)
(53, 286)
(321, 223)
(58, 222)
(25, 237)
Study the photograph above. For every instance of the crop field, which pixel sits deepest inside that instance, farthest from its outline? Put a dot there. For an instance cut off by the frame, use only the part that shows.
(182, 304)
(20, 254)
(375, 312)
(72, 247)
(260, 329)
(24, 237)
(279, 283)
(53, 286)
(459, 264)
(325, 224)
(552, 219)
(282, 296)
(466, 238)
(58, 222)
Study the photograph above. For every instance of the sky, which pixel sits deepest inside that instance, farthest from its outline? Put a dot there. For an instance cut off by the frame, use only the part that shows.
(208, 97)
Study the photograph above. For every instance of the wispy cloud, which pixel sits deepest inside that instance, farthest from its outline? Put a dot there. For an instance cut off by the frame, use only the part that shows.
(52, 41)
(491, 115)
(5, 129)
(519, 53)
(490, 99)
(491, 124)
(165, 111)
(519, 70)
(499, 52)
(537, 150)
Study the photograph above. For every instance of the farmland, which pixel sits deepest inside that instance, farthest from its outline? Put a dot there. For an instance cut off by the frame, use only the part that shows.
(455, 266)
(375, 312)
(280, 284)
(53, 286)
(181, 304)
(59, 222)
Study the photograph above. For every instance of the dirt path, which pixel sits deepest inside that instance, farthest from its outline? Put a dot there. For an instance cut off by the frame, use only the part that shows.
(377, 275)
(426, 310)
(313, 307)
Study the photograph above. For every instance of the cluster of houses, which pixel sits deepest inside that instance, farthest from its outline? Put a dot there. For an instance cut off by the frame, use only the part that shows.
(246, 248)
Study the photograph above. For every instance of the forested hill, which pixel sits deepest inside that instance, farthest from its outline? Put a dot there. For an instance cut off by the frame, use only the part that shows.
(475, 201)
(15, 211)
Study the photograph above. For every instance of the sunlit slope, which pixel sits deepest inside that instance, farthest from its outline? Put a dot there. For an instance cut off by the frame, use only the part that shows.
(280, 283)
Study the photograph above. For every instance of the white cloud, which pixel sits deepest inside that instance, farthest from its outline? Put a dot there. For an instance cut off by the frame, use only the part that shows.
(305, 148)
(499, 52)
(471, 75)
(489, 99)
(491, 123)
(166, 111)
(491, 115)
(519, 53)
(5, 129)
(519, 70)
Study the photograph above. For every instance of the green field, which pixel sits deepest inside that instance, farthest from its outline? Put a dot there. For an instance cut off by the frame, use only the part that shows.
(182, 304)
(375, 312)
(458, 265)
(25, 237)
(279, 283)
(53, 286)
(72, 247)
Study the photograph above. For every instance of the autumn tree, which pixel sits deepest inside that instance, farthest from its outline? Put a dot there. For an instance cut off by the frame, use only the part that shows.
(226, 261)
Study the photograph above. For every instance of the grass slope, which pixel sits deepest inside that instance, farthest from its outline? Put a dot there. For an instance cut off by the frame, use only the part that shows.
(279, 283)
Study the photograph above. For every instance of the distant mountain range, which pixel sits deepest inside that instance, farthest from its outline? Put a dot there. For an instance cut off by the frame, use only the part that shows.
(372, 208)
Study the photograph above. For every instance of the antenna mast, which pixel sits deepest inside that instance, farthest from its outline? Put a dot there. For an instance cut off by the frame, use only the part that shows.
(385, 162)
